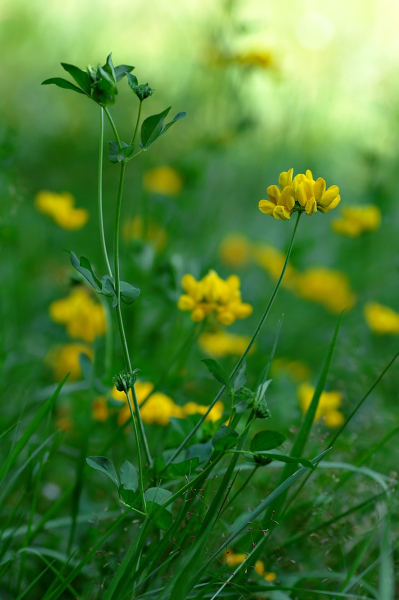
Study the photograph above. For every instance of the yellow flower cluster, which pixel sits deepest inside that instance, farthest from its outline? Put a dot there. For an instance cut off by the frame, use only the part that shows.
(327, 287)
(158, 407)
(211, 294)
(163, 180)
(221, 343)
(61, 208)
(301, 193)
(233, 560)
(83, 318)
(64, 359)
(235, 250)
(381, 319)
(329, 404)
(134, 229)
(356, 220)
(255, 58)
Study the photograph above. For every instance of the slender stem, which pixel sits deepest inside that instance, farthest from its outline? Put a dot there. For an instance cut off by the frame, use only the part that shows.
(248, 348)
(134, 155)
(119, 311)
(110, 119)
(100, 192)
(136, 435)
(137, 123)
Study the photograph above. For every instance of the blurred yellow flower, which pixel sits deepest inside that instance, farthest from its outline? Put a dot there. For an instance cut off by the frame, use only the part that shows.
(82, 317)
(100, 410)
(329, 404)
(261, 58)
(301, 193)
(235, 250)
(63, 420)
(216, 413)
(325, 286)
(60, 207)
(356, 220)
(221, 343)
(381, 319)
(211, 294)
(272, 260)
(135, 229)
(65, 359)
(163, 180)
(296, 369)
(233, 560)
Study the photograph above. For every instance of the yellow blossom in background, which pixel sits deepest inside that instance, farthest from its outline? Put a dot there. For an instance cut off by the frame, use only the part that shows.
(99, 408)
(327, 287)
(233, 560)
(61, 208)
(221, 343)
(381, 319)
(211, 294)
(235, 250)
(65, 359)
(216, 413)
(63, 420)
(356, 220)
(295, 369)
(163, 180)
(261, 58)
(272, 260)
(135, 229)
(82, 316)
(299, 193)
(329, 404)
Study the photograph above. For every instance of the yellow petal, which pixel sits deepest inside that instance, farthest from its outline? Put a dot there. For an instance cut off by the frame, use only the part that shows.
(266, 207)
(319, 189)
(280, 212)
(274, 193)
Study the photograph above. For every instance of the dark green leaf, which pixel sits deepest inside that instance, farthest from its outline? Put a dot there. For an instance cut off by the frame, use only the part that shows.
(129, 479)
(86, 366)
(267, 440)
(129, 293)
(160, 516)
(202, 451)
(224, 439)
(179, 116)
(84, 267)
(241, 377)
(217, 371)
(81, 77)
(121, 71)
(276, 455)
(175, 469)
(104, 465)
(116, 155)
(152, 128)
(109, 68)
(63, 83)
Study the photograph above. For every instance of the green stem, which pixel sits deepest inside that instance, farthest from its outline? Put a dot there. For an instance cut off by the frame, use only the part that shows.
(100, 192)
(110, 119)
(248, 348)
(136, 435)
(119, 311)
(137, 123)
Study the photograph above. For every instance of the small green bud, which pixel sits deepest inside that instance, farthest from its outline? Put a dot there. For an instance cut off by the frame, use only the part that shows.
(124, 381)
(262, 460)
(142, 91)
(259, 403)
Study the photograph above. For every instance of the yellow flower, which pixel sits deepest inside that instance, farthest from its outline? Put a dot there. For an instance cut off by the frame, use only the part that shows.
(271, 576)
(63, 420)
(60, 207)
(82, 317)
(381, 319)
(356, 220)
(157, 410)
(327, 287)
(211, 294)
(100, 409)
(163, 180)
(235, 250)
(328, 405)
(272, 260)
(65, 359)
(135, 229)
(301, 193)
(221, 343)
(232, 560)
(296, 369)
(216, 413)
(261, 58)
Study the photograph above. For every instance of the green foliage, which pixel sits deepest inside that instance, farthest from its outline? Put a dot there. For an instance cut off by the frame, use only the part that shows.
(217, 371)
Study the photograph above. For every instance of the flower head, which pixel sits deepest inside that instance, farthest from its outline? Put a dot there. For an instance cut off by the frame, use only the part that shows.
(163, 180)
(329, 404)
(221, 343)
(235, 250)
(299, 193)
(151, 232)
(60, 207)
(356, 220)
(211, 294)
(325, 286)
(381, 319)
(64, 359)
(83, 317)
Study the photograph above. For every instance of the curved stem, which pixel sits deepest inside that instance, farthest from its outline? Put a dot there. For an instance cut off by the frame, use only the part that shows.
(248, 348)
(136, 435)
(137, 122)
(110, 119)
(100, 192)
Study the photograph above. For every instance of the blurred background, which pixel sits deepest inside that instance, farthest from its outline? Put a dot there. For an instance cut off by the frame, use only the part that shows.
(267, 86)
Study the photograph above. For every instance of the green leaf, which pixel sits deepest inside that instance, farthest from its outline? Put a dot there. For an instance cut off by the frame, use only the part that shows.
(152, 128)
(224, 439)
(116, 154)
(63, 83)
(86, 366)
(267, 440)
(217, 371)
(179, 116)
(202, 451)
(109, 68)
(160, 516)
(84, 267)
(128, 292)
(260, 403)
(104, 465)
(175, 469)
(81, 77)
(129, 479)
(279, 456)
(240, 378)
(122, 70)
